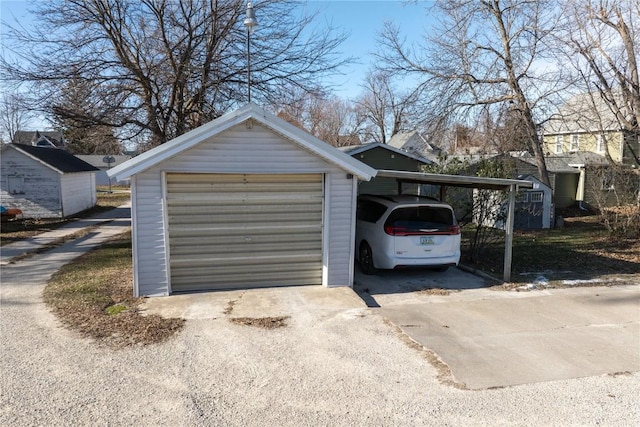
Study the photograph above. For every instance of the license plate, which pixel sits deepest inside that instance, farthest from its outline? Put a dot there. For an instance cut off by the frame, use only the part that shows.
(426, 240)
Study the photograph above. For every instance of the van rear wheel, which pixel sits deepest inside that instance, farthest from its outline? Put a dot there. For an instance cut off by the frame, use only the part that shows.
(366, 259)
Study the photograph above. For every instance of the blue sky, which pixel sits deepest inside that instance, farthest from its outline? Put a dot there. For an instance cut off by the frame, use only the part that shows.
(361, 19)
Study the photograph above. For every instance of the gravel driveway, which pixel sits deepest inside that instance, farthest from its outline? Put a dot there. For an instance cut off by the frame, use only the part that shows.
(329, 367)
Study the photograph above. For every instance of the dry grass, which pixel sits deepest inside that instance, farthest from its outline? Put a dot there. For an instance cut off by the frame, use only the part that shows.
(582, 249)
(93, 295)
(435, 291)
(261, 322)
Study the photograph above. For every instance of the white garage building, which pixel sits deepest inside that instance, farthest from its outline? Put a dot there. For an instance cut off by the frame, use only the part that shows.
(247, 200)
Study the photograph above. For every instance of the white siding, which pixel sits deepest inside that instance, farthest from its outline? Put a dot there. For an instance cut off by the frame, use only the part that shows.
(78, 192)
(149, 234)
(41, 186)
(341, 217)
(238, 150)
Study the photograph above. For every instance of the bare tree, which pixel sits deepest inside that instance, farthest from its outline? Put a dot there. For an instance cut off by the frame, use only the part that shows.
(13, 115)
(384, 109)
(161, 67)
(483, 54)
(605, 35)
(327, 117)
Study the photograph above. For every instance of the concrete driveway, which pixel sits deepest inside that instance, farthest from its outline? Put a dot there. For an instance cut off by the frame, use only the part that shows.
(335, 363)
(489, 338)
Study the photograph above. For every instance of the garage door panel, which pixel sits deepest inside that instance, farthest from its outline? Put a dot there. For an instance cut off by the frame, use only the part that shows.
(228, 231)
(273, 231)
(256, 218)
(218, 208)
(258, 269)
(237, 189)
(241, 249)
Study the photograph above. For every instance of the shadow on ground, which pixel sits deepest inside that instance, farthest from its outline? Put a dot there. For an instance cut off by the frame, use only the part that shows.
(406, 281)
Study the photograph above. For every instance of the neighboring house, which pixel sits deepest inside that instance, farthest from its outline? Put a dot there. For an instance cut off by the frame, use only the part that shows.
(414, 143)
(567, 173)
(587, 124)
(383, 156)
(584, 131)
(104, 163)
(246, 200)
(40, 138)
(45, 182)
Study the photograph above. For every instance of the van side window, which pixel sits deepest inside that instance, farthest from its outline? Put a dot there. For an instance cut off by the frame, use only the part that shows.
(370, 211)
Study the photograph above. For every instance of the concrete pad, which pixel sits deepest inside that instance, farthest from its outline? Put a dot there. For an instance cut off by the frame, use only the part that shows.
(389, 287)
(257, 303)
(555, 335)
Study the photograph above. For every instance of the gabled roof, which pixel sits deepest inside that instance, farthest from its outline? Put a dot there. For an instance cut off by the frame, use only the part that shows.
(357, 149)
(583, 113)
(59, 160)
(558, 163)
(221, 124)
(52, 137)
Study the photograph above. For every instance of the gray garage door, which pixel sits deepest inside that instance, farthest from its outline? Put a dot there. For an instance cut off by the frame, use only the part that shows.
(231, 231)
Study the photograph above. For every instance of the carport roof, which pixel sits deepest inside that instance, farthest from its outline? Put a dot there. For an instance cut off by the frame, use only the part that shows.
(249, 112)
(456, 180)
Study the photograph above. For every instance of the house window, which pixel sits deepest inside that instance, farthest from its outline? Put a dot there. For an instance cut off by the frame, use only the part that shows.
(536, 196)
(600, 143)
(16, 184)
(559, 143)
(608, 179)
(575, 143)
(522, 197)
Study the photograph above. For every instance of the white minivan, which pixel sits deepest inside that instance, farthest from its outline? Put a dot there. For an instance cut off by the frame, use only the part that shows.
(404, 230)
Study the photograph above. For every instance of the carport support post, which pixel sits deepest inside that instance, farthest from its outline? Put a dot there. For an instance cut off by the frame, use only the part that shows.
(508, 238)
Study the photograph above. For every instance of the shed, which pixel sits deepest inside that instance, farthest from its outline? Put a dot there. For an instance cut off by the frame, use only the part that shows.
(534, 206)
(246, 200)
(45, 182)
(383, 156)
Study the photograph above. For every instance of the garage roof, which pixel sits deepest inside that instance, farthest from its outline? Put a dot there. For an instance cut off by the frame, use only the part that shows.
(221, 124)
(456, 180)
(57, 159)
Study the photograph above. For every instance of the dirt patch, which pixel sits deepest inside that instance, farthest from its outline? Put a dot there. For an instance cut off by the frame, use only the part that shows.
(261, 322)
(435, 291)
(93, 296)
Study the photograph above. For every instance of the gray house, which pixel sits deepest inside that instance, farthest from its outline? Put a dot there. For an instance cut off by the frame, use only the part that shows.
(99, 162)
(415, 143)
(47, 138)
(247, 200)
(45, 182)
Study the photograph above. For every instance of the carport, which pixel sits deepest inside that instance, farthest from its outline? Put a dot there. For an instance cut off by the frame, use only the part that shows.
(499, 184)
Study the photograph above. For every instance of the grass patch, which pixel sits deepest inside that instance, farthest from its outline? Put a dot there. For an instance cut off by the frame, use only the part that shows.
(20, 229)
(93, 295)
(582, 249)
